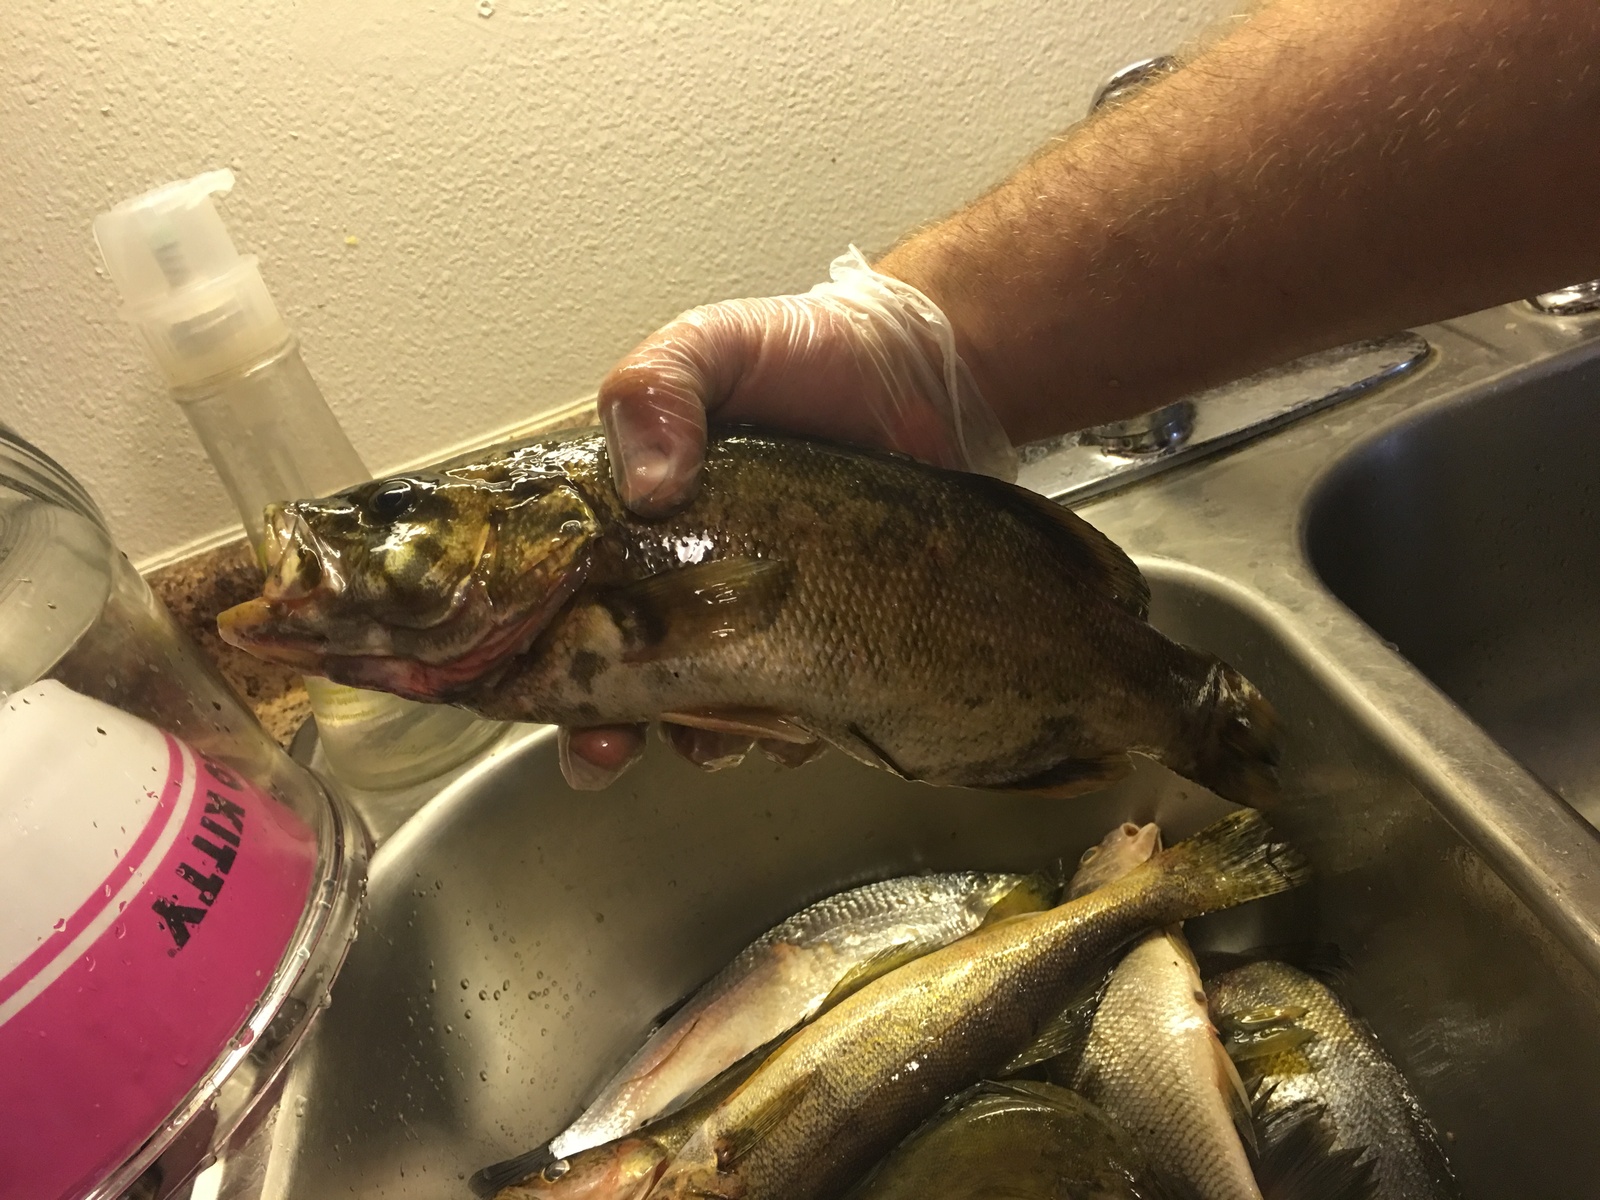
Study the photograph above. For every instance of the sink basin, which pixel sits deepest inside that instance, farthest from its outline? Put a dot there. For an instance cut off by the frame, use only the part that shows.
(1468, 535)
(521, 936)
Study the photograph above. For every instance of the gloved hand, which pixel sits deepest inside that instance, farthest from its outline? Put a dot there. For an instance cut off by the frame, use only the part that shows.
(864, 358)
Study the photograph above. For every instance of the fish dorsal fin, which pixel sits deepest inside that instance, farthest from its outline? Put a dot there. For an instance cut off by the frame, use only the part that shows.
(1090, 552)
(1298, 1159)
(864, 972)
(1033, 893)
(734, 1144)
(688, 609)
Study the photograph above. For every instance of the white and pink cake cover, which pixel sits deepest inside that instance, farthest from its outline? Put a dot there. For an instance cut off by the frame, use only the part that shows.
(149, 893)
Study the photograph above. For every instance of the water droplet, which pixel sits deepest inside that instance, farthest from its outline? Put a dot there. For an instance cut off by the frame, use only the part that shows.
(483, 1075)
(120, 929)
(486, 9)
(464, 985)
(483, 993)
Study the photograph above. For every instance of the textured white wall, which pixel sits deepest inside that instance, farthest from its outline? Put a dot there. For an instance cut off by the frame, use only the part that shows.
(530, 186)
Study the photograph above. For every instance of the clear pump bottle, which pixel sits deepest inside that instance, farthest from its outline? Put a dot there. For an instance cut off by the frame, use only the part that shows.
(235, 369)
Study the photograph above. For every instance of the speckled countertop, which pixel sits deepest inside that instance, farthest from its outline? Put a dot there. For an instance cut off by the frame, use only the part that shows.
(197, 588)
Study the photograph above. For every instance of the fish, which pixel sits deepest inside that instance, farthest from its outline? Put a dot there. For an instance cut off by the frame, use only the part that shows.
(782, 978)
(1305, 1054)
(1021, 1140)
(944, 626)
(843, 1090)
(1154, 1063)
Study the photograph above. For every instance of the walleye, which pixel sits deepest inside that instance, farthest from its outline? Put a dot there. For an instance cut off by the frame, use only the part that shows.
(1308, 1055)
(846, 1088)
(1018, 1140)
(946, 627)
(783, 977)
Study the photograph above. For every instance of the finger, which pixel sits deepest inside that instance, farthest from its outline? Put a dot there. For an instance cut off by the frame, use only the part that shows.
(653, 406)
(705, 748)
(592, 757)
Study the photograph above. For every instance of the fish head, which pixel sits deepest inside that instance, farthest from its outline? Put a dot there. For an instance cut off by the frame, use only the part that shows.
(418, 584)
(625, 1169)
(1119, 852)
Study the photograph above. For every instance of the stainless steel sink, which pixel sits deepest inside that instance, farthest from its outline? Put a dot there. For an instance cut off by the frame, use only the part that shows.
(1468, 534)
(520, 937)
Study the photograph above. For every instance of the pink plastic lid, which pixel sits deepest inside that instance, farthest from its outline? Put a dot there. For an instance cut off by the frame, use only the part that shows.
(151, 893)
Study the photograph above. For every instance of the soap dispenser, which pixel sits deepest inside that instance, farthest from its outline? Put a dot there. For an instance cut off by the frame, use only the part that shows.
(235, 370)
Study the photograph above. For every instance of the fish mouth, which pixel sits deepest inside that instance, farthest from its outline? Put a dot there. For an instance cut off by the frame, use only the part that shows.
(296, 621)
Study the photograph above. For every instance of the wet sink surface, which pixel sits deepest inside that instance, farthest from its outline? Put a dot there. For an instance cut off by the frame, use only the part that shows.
(522, 936)
(1469, 537)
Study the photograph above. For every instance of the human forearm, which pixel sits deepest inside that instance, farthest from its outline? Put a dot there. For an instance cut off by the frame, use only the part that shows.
(1324, 172)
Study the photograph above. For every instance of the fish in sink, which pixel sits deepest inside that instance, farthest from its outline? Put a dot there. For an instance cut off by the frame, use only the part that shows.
(944, 626)
(1015, 1140)
(1311, 1061)
(837, 1095)
(785, 976)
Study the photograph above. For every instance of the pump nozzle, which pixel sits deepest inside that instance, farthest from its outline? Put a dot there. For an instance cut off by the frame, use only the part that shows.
(201, 308)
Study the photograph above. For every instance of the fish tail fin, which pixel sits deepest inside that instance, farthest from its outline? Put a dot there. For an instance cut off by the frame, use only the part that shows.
(1227, 863)
(496, 1177)
(1231, 742)
(1299, 1159)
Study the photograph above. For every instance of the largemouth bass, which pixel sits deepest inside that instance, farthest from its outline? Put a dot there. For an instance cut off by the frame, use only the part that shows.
(944, 626)
(846, 1088)
(1307, 1055)
(782, 978)
(1017, 1140)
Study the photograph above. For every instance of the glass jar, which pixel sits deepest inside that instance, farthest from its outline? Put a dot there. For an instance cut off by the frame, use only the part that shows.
(181, 893)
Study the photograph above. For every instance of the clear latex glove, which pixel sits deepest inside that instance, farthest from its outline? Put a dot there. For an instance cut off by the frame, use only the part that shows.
(864, 358)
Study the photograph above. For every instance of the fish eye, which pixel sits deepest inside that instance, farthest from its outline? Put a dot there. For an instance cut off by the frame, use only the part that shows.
(1089, 855)
(555, 1170)
(392, 500)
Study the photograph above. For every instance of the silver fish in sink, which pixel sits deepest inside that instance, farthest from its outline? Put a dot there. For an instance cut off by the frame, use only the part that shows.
(784, 977)
(1311, 1061)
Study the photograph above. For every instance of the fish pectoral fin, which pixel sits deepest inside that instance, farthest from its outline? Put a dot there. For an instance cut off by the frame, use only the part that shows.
(1298, 1159)
(679, 612)
(1065, 1034)
(736, 1143)
(1033, 894)
(865, 971)
(752, 723)
(1265, 1031)
(1234, 1094)
(1091, 554)
(1072, 777)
